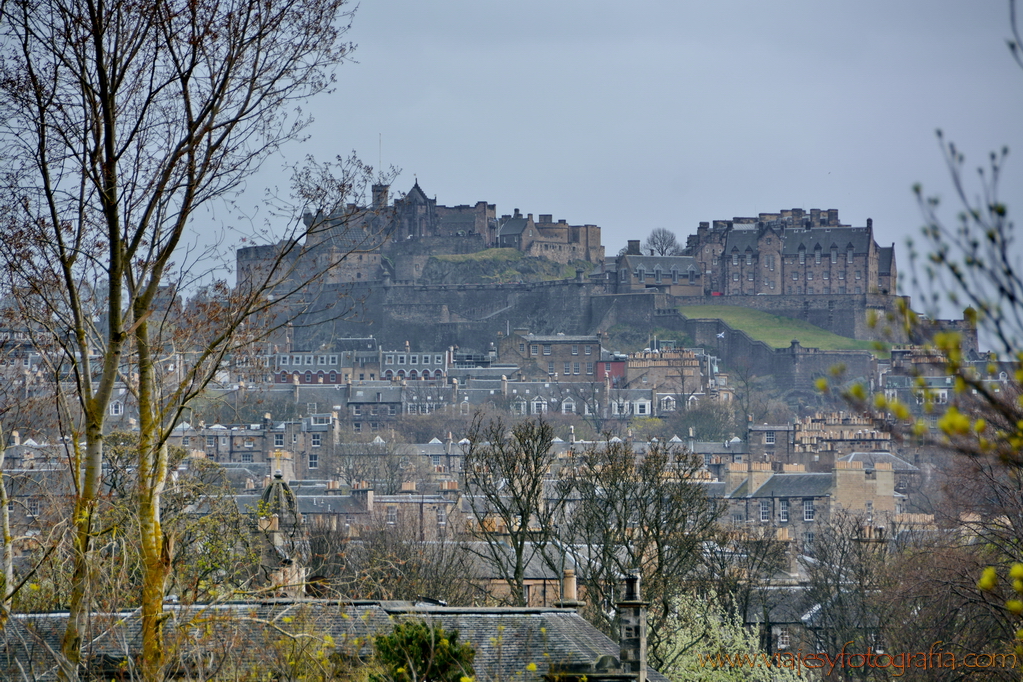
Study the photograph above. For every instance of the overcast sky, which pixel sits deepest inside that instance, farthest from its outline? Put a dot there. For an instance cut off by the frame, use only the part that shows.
(664, 114)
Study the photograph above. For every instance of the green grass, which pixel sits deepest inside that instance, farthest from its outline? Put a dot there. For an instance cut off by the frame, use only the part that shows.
(486, 255)
(778, 331)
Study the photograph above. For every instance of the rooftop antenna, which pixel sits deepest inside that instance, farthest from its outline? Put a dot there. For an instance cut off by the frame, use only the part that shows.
(380, 151)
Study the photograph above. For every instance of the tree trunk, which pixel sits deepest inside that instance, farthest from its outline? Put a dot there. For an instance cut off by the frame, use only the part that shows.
(152, 475)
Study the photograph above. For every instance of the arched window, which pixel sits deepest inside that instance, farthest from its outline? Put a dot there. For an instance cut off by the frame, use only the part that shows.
(308, 377)
(116, 408)
(284, 377)
(539, 406)
(667, 404)
(437, 374)
(413, 374)
(333, 377)
(320, 377)
(401, 374)
(389, 374)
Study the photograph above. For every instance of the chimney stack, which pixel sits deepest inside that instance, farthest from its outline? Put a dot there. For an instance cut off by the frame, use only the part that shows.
(632, 628)
(569, 593)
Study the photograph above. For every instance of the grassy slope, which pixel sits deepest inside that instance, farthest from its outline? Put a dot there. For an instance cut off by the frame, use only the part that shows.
(497, 265)
(775, 330)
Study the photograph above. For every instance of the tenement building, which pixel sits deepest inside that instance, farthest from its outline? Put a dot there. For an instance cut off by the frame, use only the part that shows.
(793, 252)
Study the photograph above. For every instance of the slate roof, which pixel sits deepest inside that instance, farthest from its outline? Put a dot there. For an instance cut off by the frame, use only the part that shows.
(871, 459)
(512, 226)
(827, 237)
(794, 485)
(741, 241)
(238, 637)
(665, 263)
(884, 260)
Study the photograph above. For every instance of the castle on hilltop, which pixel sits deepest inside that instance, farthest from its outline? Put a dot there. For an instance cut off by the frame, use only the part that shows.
(792, 253)
(391, 242)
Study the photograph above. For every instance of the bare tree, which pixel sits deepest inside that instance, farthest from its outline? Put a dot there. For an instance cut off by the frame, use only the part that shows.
(513, 497)
(117, 122)
(663, 242)
(646, 511)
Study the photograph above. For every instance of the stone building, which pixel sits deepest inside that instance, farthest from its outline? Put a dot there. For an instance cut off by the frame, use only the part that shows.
(392, 242)
(791, 253)
(556, 241)
(797, 502)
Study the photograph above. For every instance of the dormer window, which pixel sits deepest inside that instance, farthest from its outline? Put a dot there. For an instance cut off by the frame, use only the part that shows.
(802, 256)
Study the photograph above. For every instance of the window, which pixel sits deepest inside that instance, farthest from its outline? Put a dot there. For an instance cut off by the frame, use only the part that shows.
(357, 410)
(588, 350)
(784, 640)
(278, 440)
(808, 510)
(568, 368)
(795, 276)
(802, 256)
(858, 275)
(641, 408)
(783, 511)
(442, 516)
(211, 442)
(116, 408)
(735, 276)
(522, 348)
(309, 359)
(333, 360)
(392, 410)
(849, 255)
(547, 349)
(834, 256)
(314, 460)
(392, 516)
(247, 458)
(735, 259)
(769, 437)
(765, 511)
(770, 285)
(870, 511)
(534, 349)
(749, 259)
(589, 368)
(809, 276)
(841, 275)
(321, 359)
(550, 367)
(185, 440)
(575, 349)
(817, 256)
(317, 439)
(414, 360)
(389, 360)
(808, 544)
(321, 420)
(284, 360)
(401, 359)
(749, 276)
(297, 360)
(575, 368)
